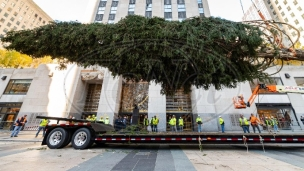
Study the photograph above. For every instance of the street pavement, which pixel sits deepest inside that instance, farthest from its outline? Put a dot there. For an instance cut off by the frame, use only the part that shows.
(25, 152)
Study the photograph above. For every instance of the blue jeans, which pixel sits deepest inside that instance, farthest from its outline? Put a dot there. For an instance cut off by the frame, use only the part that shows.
(245, 128)
(223, 128)
(181, 128)
(173, 128)
(16, 131)
(199, 127)
(275, 128)
(39, 129)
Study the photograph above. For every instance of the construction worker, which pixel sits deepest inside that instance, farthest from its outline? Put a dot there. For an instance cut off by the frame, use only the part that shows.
(42, 126)
(173, 124)
(146, 123)
(181, 124)
(244, 123)
(268, 123)
(275, 124)
(222, 123)
(101, 119)
(107, 121)
(199, 123)
(255, 123)
(89, 118)
(93, 118)
(154, 123)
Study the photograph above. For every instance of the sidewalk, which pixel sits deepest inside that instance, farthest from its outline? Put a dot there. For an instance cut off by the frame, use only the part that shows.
(23, 136)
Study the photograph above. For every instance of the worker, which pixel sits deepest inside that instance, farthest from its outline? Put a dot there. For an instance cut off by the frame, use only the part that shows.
(42, 126)
(268, 123)
(154, 123)
(255, 123)
(199, 123)
(89, 118)
(275, 124)
(93, 118)
(222, 123)
(244, 123)
(146, 123)
(101, 119)
(173, 124)
(181, 124)
(107, 121)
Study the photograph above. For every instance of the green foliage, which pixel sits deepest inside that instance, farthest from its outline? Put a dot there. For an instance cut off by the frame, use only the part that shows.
(198, 51)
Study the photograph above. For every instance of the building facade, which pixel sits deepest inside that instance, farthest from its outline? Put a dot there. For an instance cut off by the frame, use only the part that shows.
(20, 15)
(81, 92)
(111, 11)
(284, 11)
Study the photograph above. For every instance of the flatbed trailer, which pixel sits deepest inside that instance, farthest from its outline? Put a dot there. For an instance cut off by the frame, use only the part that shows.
(82, 134)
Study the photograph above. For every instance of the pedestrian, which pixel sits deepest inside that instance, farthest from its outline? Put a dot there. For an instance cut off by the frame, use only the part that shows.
(18, 125)
(107, 121)
(275, 124)
(173, 124)
(181, 124)
(268, 123)
(42, 125)
(199, 123)
(146, 123)
(302, 119)
(244, 124)
(255, 123)
(154, 122)
(101, 119)
(222, 123)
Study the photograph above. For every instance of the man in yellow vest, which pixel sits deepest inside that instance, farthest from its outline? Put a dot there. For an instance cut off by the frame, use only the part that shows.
(199, 123)
(173, 123)
(154, 123)
(101, 119)
(244, 123)
(107, 121)
(222, 123)
(42, 126)
(269, 124)
(146, 123)
(181, 124)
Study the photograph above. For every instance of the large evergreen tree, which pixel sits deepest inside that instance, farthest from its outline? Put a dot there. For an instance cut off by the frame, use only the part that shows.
(198, 51)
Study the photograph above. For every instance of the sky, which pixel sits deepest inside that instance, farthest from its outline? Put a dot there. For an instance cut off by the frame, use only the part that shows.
(72, 10)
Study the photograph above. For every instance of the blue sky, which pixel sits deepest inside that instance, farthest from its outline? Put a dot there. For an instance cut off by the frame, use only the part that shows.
(72, 10)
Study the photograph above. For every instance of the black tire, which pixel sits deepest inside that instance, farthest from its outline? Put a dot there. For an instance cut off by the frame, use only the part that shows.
(68, 139)
(82, 138)
(56, 138)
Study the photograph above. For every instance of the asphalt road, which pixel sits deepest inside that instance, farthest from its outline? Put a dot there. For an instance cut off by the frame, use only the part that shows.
(117, 157)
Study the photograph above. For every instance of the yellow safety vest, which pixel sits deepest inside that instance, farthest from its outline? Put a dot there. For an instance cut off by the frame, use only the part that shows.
(44, 122)
(243, 121)
(154, 121)
(146, 121)
(107, 121)
(221, 120)
(181, 122)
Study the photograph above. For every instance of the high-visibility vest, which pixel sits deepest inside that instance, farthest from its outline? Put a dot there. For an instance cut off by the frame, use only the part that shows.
(181, 122)
(146, 121)
(274, 121)
(154, 121)
(221, 120)
(43, 122)
(101, 120)
(198, 120)
(243, 121)
(107, 121)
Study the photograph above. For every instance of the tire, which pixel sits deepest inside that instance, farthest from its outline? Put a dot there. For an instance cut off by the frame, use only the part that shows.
(56, 138)
(82, 139)
(68, 139)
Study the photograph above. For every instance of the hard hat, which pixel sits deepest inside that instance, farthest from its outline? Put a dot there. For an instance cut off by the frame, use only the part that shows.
(220, 116)
(101, 117)
(107, 117)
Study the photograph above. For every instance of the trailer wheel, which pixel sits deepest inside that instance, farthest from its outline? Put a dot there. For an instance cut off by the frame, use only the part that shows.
(56, 138)
(68, 139)
(82, 139)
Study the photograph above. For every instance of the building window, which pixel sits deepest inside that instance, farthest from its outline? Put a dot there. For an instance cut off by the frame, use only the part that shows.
(15, 14)
(286, 20)
(6, 15)
(271, 7)
(295, 2)
(9, 9)
(8, 24)
(279, 7)
(114, 4)
(112, 17)
(167, 2)
(293, 34)
(18, 23)
(288, 8)
(2, 20)
(23, 27)
(182, 14)
(300, 29)
(3, 4)
(168, 10)
(283, 13)
(131, 9)
(299, 8)
(132, 1)
(148, 14)
(268, 1)
(292, 14)
(299, 81)
(12, 19)
(15, 28)
(297, 22)
(168, 15)
(149, 7)
(99, 17)
(276, 2)
(5, 30)
(18, 86)
(274, 13)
